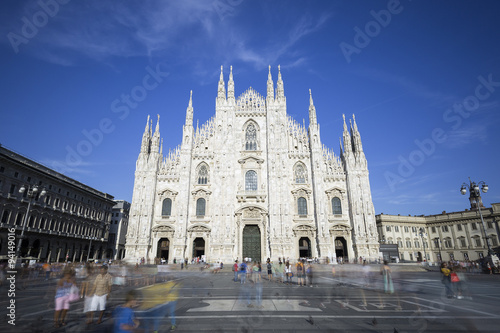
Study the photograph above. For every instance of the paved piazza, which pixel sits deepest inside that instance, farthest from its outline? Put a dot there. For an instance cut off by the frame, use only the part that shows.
(344, 302)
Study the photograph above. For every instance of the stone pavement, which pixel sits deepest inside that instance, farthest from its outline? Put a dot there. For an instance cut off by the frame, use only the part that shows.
(346, 301)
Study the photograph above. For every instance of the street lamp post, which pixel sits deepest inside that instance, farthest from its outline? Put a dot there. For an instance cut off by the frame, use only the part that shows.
(475, 197)
(31, 194)
(422, 234)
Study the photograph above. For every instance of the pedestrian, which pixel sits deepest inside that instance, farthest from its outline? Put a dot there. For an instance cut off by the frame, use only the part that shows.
(62, 297)
(163, 303)
(255, 272)
(300, 273)
(279, 272)
(101, 289)
(235, 270)
(46, 267)
(269, 270)
(387, 274)
(124, 316)
(446, 280)
(309, 273)
(288, 273)
(243, 272)
(490, 271)
(86, 291)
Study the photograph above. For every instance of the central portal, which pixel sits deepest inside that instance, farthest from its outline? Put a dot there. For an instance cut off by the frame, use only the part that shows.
(251, 243)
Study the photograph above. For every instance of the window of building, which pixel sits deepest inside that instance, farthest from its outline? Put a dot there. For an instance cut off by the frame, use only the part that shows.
(56, 203)
(387, 228)
(5, 216)
(251, 138)
(251, 181)
(414, 229)
(31, 223)
(12, 188)
(28, 179)
(459, 227)
(16, 174)
(436, 243)
(200, 207)
(433, 229)
(396, 228)
(478, 241)
(463, 243)
(2, 169)
(336, 206)
(166, 209)
(203, 175)
(474, 226)
(400, 243)
(444, 228)
(19, 218)
(42, 223)
(300, 174)
(407, 229)
(417, 244)
(490, 224)
(447, 243)
(494, 240)
(302, 206)
(408, 244)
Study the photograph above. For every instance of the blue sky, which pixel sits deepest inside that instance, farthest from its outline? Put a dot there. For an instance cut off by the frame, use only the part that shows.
(422, 78)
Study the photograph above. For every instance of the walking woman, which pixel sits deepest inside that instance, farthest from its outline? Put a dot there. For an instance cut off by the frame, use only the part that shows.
(445, 271)
(62, 298)
(387, 273)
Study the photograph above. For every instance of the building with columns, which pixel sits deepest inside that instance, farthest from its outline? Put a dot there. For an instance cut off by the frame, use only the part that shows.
(70, 222)
(251, 183)
(446, 236)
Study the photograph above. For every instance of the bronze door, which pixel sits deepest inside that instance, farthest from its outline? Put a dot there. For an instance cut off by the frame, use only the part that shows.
(251, 242)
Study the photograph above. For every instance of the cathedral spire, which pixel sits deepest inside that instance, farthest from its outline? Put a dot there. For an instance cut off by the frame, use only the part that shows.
(347, 138)
(312, 110)
(155, 142)
(189, 110)
(356, 136)
(281, 90)
(270, 85)
(230, 86)
(146, 139)
(221, 93)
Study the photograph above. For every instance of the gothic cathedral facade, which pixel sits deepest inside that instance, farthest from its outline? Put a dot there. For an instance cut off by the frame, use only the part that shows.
(251, 183)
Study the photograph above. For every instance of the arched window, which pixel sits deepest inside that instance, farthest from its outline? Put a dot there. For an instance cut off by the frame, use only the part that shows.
(203, 175)
(302, 206)
(251, 181)
(300, 174)
(200, 207)
(166, 208)
(336, 206)
(251, 138)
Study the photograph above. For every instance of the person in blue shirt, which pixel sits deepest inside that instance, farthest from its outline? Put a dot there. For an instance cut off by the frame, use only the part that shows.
(124, 316)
